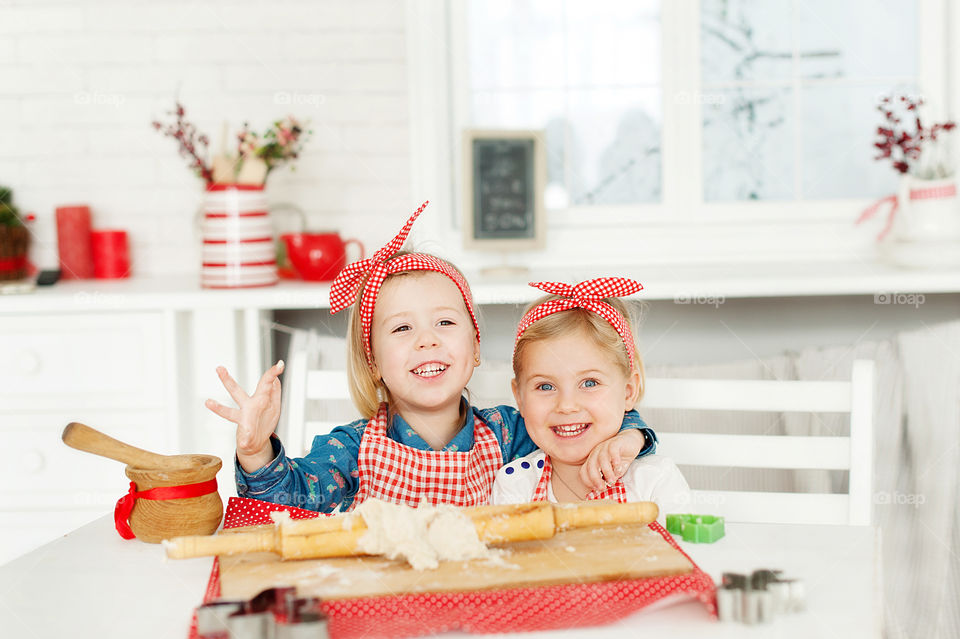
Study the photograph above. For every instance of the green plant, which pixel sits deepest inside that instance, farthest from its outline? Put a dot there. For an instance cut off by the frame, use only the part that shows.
(281, 143)
(9, 215)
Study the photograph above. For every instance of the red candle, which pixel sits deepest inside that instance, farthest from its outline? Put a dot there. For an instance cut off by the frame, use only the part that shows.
(73, 242)
(111, 254)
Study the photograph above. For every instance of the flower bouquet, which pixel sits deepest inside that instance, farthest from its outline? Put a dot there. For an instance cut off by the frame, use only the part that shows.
(238, 243)
(923, 222)
(912, 148)
(255, 156)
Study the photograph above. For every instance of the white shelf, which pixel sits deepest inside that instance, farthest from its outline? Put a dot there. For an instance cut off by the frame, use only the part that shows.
(661, 282)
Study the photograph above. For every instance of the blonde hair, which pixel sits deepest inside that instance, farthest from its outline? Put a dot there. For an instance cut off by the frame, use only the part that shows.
(366, 390)
(598, 329)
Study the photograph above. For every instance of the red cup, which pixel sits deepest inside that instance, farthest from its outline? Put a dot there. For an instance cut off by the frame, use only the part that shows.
(73, 242)
(111, 254)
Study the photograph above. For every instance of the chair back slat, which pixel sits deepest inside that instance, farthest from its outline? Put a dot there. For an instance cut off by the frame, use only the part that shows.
(774, 507)
(757, 451)
(748, 395)
(324, 384)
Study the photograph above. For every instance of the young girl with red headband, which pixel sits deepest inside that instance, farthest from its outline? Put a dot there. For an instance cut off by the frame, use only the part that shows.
(576, 371)
(413, 343)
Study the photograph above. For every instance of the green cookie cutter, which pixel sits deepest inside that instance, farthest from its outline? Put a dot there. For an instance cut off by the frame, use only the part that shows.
(700, 529)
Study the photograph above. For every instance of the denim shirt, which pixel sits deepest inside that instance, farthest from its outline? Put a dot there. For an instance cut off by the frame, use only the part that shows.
(329, 475)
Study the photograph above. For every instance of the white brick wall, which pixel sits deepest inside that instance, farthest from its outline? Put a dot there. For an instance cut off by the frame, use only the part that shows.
(81, 81)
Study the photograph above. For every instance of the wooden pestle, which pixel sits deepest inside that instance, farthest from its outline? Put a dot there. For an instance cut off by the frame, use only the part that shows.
(338, 536)
(82, 437)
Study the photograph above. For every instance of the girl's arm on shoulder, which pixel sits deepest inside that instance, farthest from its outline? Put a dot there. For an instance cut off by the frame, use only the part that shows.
(508, 427)
(631, 420)
(320, 481)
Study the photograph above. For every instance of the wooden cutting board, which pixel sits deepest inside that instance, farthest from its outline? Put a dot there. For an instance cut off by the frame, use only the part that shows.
(575, 556)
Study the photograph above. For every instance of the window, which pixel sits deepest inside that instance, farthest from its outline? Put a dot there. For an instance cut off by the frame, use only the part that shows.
(791, 89)
(706, 130)
(588, 75)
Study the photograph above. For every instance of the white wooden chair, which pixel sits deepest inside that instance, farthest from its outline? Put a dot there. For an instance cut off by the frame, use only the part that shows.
(853, 453)
(302, 385)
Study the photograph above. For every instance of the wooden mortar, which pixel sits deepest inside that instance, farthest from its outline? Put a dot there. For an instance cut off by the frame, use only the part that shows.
(153, 521)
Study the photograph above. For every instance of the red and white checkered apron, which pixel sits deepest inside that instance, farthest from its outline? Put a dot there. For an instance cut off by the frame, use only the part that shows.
(617, 492)
(401, 474)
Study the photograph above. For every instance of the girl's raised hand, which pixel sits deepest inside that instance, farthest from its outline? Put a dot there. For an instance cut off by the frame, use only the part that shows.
(256, 417)
(609, 460)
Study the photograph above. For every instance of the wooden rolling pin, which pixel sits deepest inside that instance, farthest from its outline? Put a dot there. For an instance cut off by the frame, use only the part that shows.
(338, 536)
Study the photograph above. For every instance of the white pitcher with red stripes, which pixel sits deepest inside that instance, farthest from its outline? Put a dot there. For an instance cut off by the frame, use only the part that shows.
(238, 244)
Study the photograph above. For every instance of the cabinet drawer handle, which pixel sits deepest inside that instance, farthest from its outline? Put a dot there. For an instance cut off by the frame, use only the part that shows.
(34, 462)
(28, 362)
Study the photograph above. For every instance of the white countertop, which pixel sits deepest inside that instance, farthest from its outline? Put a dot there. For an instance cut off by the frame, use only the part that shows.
(681, 283)
(91, 583)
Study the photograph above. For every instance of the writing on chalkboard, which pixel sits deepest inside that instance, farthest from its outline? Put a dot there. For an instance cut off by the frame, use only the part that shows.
(504, 187)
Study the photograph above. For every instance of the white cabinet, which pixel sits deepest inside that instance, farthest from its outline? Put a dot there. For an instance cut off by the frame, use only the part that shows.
(108, 370)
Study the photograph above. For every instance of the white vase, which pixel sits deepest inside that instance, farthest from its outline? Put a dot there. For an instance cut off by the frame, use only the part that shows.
(926, 227)
(929, 210)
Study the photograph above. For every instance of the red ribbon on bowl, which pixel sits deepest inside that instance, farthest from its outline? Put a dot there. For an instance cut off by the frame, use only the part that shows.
(13, 263)
(121, 514)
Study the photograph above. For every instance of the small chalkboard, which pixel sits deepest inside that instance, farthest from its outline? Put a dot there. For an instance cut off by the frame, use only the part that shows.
(504, 179)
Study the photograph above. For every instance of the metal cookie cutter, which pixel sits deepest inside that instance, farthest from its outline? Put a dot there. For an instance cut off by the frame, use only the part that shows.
(276, 613)
(758, 597)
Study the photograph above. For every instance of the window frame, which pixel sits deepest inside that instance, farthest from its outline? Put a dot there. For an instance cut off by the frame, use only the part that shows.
(681, 227)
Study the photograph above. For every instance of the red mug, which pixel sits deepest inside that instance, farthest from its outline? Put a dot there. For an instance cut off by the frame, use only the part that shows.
(111, 254)
(73, 242)
(318, 257)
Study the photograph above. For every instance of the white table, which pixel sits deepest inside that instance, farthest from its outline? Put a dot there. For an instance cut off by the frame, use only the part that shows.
(92, 583)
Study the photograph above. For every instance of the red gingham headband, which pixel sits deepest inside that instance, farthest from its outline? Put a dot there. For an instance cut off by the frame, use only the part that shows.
(587, 295)
(346, 287)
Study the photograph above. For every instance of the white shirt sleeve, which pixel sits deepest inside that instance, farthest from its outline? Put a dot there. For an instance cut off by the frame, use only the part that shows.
(656, 478)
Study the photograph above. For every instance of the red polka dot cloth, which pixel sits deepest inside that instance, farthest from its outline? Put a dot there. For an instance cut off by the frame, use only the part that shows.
(346, 287)
(493, 611)
(401, 474)
(588, 295)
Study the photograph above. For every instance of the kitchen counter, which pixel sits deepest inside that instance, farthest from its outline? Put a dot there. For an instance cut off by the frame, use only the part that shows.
(91, 583)
(682, 283)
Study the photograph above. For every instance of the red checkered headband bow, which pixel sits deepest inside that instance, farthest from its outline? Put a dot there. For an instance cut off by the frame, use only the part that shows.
(587, 295)
(346, 287)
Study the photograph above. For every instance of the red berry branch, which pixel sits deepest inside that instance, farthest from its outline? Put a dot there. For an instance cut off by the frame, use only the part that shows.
(191, 142)
(906, 142)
